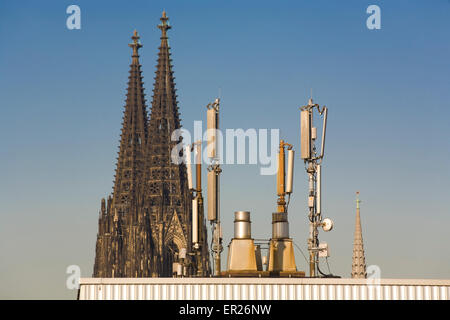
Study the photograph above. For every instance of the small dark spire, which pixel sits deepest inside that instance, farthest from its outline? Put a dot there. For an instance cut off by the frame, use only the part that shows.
(164, 26)
(103, 206)
(135, 45)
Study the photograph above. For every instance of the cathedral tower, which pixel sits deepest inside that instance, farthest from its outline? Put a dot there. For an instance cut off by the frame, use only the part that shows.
(145, 226)
(167, 197)
(124, 247)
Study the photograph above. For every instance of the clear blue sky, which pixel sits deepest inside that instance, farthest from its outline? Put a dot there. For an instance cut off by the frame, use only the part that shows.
(62, 94)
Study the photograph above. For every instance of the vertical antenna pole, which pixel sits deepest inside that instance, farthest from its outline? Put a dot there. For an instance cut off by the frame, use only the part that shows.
(199, 167)
(312, 220)
(218, 240)
(197, 211)
(313, 162)
(214, 198)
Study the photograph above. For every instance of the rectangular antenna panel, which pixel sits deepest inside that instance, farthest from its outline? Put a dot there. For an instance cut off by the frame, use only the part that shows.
(319, 189)
(290, 172)
(194, 221)
(188, 166)
(305, 134)
(211, 120)
(212, 196)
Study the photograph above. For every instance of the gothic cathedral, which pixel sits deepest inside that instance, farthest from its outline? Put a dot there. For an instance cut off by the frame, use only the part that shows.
(144, 227)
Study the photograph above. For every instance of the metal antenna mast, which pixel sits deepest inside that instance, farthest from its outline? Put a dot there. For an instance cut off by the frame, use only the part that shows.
(214, 171)
(197, 204)
(313, 165)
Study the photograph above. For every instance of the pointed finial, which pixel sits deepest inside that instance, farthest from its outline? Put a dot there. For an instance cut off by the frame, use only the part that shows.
(164, 26)
(135, 45)
(103, 206)
(357, 200)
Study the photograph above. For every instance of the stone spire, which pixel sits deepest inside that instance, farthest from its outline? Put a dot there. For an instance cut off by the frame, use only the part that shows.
(358, 259)
(167, 197)
(130, 163)
(123, 242)
(145, 225)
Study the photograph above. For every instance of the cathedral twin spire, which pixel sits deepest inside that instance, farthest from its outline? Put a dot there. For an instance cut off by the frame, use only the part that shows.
(131, 160)
(145, 225)
(136, 45)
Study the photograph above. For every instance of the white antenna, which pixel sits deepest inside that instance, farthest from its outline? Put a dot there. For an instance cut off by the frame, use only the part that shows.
(195, 222)
(290, 172)
(198, 240)
(319, 189)
(189, 166)
(211, 120)
(212, 196)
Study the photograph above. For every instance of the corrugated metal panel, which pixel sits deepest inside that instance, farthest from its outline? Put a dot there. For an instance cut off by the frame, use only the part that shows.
(261, 289)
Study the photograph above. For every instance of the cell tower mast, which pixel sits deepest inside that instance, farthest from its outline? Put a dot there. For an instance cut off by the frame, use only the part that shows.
(214, 171)
(313, 165)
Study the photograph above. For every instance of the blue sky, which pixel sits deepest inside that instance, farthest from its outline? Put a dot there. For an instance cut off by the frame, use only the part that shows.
(62, 94)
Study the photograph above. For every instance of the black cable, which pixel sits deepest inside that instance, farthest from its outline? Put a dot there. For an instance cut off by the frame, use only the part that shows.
(301, 252)
(326, 259)
(330, 275)
(212, 252)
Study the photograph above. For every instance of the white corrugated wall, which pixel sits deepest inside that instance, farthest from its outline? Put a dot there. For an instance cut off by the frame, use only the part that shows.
(261, 289)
